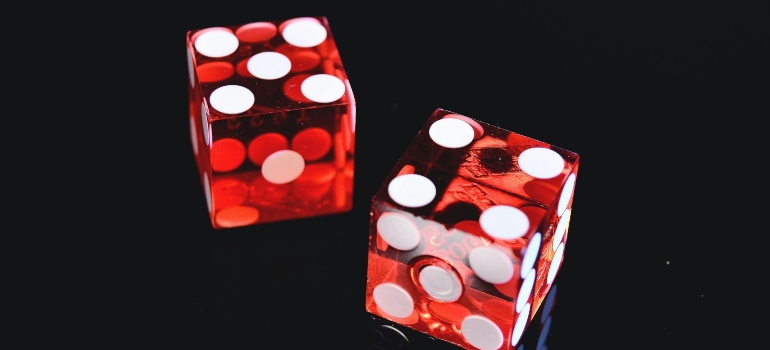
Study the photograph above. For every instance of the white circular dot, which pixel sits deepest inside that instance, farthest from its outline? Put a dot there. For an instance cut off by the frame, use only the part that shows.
(561, 228)
(205, 120)
(193, 136)
(269, 65)
(478, 130)
(566, 194)
(521, 323)
(491, 265)
(393, 300)
(412, 190)
(304, 33)
(555, 264)
(190, 68)
(541, 163)
(216, 43)
(283, 167)
(232, 99)
(323, 88)
(351, 106)
(531, 254)
(504, 222)
(481, 332)
(451, 133)
(440, 284)
(398, 231)
(525, 291)
(207, 190)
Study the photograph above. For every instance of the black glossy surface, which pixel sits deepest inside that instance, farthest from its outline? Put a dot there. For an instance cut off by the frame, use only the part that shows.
(644, 94)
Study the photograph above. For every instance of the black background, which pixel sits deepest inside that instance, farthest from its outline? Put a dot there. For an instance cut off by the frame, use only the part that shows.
(647, 95)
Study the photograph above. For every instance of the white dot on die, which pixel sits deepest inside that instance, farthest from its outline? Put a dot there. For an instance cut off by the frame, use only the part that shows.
(441, 284)
(323, 88)
(207, 190)
(193, 136)
(504, 222)
(190, 68)
(521, 323)
(561, 228)
(393, 300)
(531, 254)
(490, 264)
(481, 332)
(451, 133)
(412, 190)
(232, 99)
(283, 167)
(304, 33)
(541, 163)
(216, 43)
(398, 231)
(525, 290)
(205, 120)
(351, 107)
(478, 130)
(555, 264)
(268, 65)
(566, 194)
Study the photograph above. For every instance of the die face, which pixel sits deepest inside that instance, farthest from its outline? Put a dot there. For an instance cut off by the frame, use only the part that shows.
(272, 121)
(493, 156)
(466, 237)
(448, 274)
(267, 67)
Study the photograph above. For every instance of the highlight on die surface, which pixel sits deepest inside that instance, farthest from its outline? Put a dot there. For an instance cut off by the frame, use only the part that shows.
(272, 121)
(468, 232)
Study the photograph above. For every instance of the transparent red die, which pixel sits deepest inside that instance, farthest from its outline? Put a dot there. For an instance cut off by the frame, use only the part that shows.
(272, 121)
(468, 232)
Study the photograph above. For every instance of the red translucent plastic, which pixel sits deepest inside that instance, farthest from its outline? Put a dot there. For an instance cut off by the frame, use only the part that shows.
(272, 120)
(468, 232)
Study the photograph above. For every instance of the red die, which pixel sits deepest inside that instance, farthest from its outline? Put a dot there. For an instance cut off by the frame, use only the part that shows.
(272, 120)
(468, 231)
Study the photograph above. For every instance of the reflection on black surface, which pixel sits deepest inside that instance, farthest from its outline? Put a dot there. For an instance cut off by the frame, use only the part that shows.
(382, 334)
(388, 337)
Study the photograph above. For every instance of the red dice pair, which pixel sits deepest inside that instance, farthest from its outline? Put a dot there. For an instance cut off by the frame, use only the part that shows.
(467, 231)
